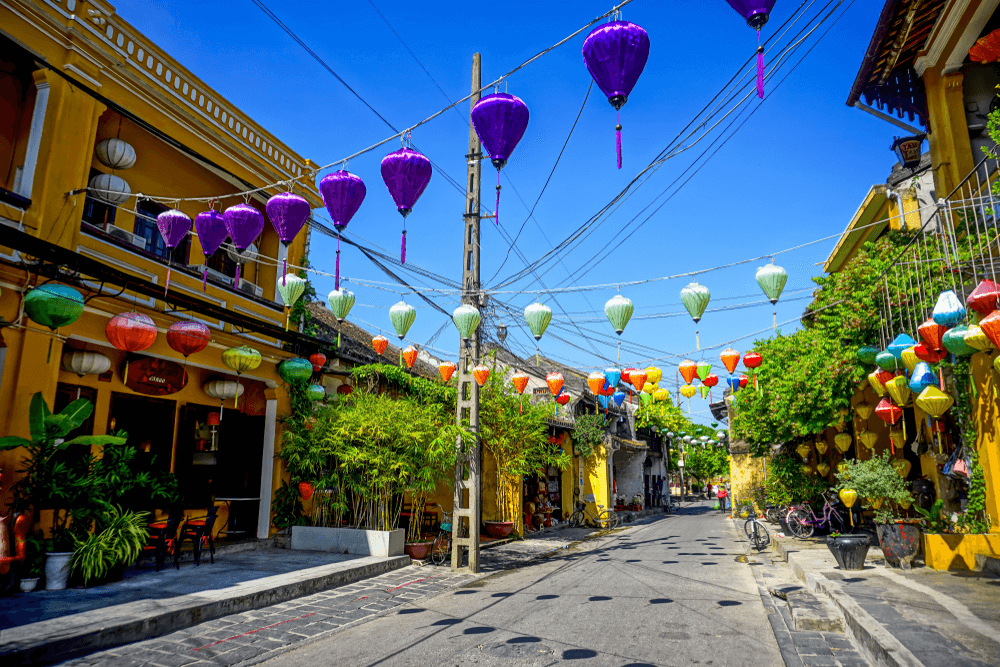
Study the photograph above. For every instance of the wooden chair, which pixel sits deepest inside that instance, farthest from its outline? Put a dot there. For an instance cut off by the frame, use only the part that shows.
(163, 537)
(199, 532)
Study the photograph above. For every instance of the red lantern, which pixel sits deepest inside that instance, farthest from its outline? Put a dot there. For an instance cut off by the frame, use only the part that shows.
(562, 399)
(131, 332)
(214, 419)
(345, 390)
(752, 360)
(410, 356)
(925, 353)
(932, 334)
(743, 381)
(888, 411)
(318, 360)
(447, 369)
(380, 343)
(711, 380)
(188, 337)
(991, 326)
(306, 490)
(627, 375)
(983, 299)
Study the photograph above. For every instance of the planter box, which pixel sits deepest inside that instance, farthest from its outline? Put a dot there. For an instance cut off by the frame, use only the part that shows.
(382, 543)
(958, 552)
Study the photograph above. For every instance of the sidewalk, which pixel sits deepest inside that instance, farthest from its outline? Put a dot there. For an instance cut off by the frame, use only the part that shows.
(921, 617)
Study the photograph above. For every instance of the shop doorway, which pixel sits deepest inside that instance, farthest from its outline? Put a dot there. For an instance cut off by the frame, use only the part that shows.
(149, 423)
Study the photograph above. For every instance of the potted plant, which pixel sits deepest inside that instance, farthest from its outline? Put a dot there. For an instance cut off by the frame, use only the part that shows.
(34, 562)
(50, 483)
(881, 487)
(103, 555)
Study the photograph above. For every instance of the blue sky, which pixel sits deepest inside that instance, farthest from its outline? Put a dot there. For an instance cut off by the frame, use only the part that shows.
(795, 172)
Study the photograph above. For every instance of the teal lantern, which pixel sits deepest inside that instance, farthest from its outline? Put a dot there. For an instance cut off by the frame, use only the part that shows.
(887, 361)
(867, 354)
(53, 305)
(316, 392)
(772, 279)
(466, 319)
(341, 301)
(954, 341)
(294, 371)
(695, 298)
(402, 316)
(538, 316)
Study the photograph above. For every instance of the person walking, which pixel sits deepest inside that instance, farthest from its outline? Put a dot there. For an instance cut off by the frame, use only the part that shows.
(722, 495)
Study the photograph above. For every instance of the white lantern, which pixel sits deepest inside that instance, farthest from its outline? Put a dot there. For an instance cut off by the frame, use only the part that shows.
(115, 153)
(110, 188)
(84, 362)
(249, 254)
(223, 389)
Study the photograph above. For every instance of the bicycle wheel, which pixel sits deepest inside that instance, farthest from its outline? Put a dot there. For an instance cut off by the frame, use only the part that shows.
(748, 529)
(441, 549)
(576, 519)
(760, 537)
(609, 519)
(799, 526)
(836, 523)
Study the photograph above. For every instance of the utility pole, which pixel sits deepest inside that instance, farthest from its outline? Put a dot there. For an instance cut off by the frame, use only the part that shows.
(468, 504)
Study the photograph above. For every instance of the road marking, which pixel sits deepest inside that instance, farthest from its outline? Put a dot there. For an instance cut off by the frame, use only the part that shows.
(415, 581)
(221, 641)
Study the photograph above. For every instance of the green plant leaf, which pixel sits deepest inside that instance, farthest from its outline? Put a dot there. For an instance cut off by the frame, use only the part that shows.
(100, 440)
(38, 411)
(13, 442)
(78, 412)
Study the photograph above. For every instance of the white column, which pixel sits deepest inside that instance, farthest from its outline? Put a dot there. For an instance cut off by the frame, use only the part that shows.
(267, 469)
(34, 138)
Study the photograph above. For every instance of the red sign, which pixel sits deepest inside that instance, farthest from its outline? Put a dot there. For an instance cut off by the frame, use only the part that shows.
(154, 377)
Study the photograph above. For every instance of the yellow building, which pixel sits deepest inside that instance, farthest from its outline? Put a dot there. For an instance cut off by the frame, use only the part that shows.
(88, 100)
(924, 64)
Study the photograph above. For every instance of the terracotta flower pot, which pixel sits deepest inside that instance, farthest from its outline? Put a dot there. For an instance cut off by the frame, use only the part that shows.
(498, 529)
(418, 550)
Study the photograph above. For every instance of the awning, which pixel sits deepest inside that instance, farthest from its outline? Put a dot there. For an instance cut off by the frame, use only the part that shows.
(630, 445)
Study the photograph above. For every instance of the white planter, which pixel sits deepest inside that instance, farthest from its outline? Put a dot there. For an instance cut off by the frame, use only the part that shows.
(383, 543)
(57, 570)
(28, 585)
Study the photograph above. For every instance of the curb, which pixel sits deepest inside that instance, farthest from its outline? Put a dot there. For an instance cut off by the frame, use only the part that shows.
(67, 637)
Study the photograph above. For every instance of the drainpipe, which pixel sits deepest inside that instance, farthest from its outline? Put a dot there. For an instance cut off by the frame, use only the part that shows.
(902, 213)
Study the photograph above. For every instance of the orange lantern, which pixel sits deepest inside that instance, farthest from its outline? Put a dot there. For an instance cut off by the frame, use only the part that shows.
(481, 374)
(596, 382)
(555, 382)
(730, 358)
(520, 382)
(131, 332)
(688, 369)
(410, 356)
(380, 343)
(447, 369)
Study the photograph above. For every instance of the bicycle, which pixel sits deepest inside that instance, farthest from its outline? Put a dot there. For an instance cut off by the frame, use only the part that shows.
(756, 532)
(441, 548)
(802, 523)
(605, 519)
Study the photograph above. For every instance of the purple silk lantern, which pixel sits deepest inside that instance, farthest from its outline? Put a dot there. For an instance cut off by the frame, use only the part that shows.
(500, 120)
(211, 228)
(343, 193)
(406, 173)
(756, 13)
(288, 212)
(244, 224)
(174, 225)
(615, 54)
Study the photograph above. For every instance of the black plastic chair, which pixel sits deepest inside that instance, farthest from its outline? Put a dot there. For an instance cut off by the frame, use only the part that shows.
(199, 532)
(163, 537)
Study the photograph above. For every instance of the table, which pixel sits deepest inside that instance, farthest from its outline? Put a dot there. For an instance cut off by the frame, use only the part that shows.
(229, 515)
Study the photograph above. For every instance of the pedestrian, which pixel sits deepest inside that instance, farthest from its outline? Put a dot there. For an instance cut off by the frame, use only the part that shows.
(722, 495)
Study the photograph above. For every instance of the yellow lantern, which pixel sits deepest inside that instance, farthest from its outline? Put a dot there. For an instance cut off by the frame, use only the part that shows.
(869, 439)
(876, 383)
(849, 497)
(650, 388)
(898, 439)
(902, 466)
(906, 504)
(821, 445)
(653, 374)
(864, 410)
(877, 503)
(687, 391)
(910, 358)
(899, 390)
(977, 338)
(663, 394)
(823, 468)
(807, 470)
(842, 441)
(934, 402)
(804, 450)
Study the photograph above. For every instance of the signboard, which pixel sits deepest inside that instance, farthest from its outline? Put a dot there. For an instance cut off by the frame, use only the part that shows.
(680, 464)
(154, 377)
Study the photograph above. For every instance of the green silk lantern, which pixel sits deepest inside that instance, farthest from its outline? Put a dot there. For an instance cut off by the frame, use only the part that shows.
(294, 371)
(887, 361)
(53, 305)
(619, 310)
(402, 316)
(704, 369)
(867, 354)
(240, 360)
(291, 288)
(954, 341)
(695, 298)
(772, 279)
(538, 316)
(341, 301)
(316, 392)
(466, 319)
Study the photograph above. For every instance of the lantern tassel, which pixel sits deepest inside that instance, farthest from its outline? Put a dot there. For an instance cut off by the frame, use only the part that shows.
(402, 250)
(689, 406)
(697, 339)
(286, 318)
(166, 285)
(618, 136)
(775, 320)
(538, 360)
(48, 357)
(204, 277)
(336, 280)
(125, 379)
(850, 514)
(338, 338)
(236, 280)
(222, 408)
(284, 270)
(760, 68)
(498, 199)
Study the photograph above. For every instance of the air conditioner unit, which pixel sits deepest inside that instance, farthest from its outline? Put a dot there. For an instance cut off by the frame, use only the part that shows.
(250, 288)
(127, 237)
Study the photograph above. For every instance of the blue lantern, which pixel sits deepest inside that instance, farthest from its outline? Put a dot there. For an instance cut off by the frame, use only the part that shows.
(922, 377)
(619, 397)
(901, 342)
(734, 383)
(603, 400)
(948, 311)
(611, 377)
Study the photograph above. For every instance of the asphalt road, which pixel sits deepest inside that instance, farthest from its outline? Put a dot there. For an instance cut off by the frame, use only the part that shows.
(674, 591)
